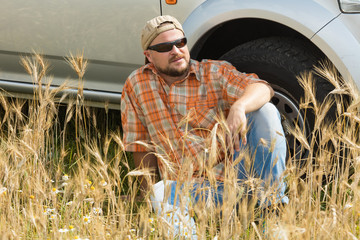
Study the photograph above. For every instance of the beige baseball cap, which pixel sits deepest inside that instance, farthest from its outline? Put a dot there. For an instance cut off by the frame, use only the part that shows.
(155, 26)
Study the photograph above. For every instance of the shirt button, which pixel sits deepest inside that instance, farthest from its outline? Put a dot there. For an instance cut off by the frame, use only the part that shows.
(172, 105)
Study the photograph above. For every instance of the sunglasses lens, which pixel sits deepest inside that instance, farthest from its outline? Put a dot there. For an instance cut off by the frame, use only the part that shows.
(180, 43)
(166, 47)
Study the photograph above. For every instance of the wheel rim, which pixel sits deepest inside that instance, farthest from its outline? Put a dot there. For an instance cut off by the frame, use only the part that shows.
(291, 116)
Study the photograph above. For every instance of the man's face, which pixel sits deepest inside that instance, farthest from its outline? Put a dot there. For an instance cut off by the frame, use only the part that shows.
(174, 63)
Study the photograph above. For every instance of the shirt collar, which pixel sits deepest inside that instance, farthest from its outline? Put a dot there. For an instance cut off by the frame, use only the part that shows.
(194, 69)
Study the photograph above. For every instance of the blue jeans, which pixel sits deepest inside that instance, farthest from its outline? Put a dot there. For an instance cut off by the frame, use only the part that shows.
(269, 152)
(267, 144)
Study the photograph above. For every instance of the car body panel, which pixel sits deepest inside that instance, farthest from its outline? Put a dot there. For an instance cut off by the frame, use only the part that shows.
(342, 45)
(108, 34)
(182, 9)
(306, 17)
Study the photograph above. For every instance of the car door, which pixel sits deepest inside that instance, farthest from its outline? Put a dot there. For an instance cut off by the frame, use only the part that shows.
(107, 32)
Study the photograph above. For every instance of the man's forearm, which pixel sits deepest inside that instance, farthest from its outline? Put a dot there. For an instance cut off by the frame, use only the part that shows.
(254, 97)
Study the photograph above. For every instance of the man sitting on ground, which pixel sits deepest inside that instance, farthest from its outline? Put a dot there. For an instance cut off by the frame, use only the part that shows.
(173, 102)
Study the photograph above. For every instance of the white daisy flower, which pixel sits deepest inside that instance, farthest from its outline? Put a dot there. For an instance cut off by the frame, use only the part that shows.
(49, 211)
(103, 183)
(348, 205)
(86, 219)
(65, 177)
(3, 190)
(97, 211)
(63, 230)
(185, 232)
(88, 183)
(54, 191)
(72, 228)
(79, 238)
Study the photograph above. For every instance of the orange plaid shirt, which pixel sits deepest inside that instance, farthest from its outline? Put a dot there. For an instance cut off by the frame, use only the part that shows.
(175, 120)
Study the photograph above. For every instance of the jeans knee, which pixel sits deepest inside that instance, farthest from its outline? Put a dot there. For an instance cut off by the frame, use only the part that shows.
(267, 115)
(269, 111)
(266, 123)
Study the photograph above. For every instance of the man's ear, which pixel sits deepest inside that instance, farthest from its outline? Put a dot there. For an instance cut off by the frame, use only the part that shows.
(147, 57)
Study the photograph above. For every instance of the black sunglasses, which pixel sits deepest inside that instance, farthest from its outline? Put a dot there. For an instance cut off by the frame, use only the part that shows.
(167, 46)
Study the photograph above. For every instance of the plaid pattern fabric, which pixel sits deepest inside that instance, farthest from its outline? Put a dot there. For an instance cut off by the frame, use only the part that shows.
(174, 121)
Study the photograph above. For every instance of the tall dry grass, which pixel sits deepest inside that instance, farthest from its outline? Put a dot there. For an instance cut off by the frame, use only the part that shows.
(59, 180)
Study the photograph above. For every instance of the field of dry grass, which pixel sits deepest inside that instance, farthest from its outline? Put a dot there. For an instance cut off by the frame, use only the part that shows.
(60, 178)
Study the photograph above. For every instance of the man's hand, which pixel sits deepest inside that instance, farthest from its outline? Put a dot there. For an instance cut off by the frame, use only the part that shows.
(146, 160)
(254, 97)
(237, 123)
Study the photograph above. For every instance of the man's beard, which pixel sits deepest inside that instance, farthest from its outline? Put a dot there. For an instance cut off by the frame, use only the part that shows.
(173, 71)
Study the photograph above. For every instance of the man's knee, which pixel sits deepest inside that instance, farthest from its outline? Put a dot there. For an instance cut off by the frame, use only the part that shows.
(267, 115)
(268, 111)
(265, 123)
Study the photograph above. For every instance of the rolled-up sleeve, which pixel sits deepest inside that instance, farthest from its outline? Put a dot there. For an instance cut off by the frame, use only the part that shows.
(235, 82)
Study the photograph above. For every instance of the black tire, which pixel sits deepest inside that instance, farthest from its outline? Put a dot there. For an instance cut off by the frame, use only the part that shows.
(279, 60)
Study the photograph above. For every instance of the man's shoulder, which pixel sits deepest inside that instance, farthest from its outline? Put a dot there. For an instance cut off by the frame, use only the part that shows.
(211, 62)
(139, 72)
(136, 78)
(138, 75)
(214, 66)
